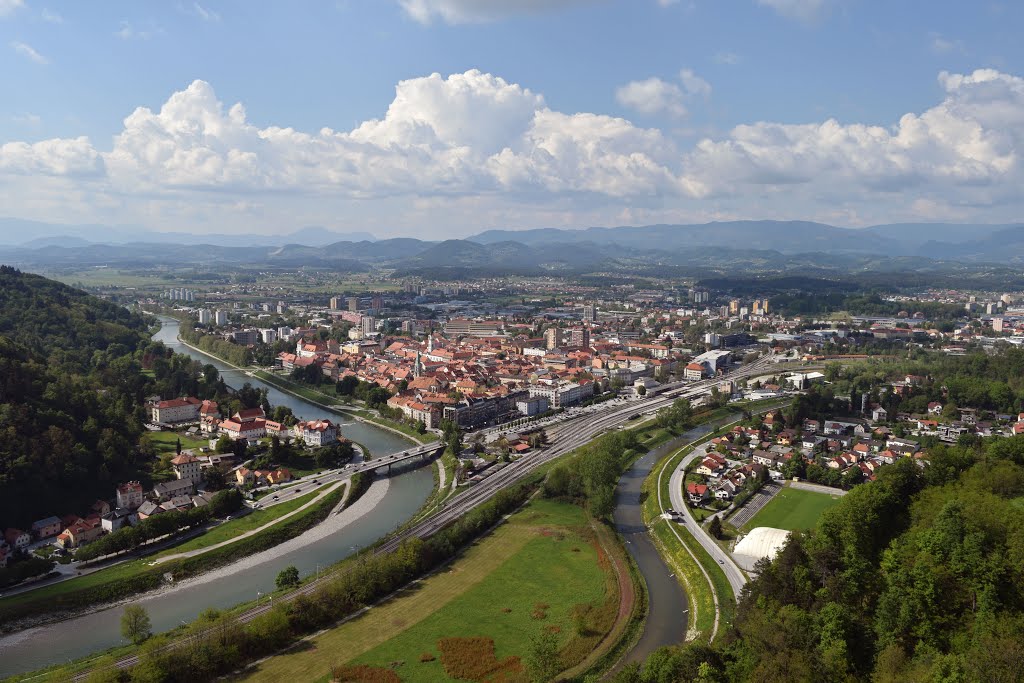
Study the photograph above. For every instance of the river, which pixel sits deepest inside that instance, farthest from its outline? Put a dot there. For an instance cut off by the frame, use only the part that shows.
(668, 609)
(74, 638)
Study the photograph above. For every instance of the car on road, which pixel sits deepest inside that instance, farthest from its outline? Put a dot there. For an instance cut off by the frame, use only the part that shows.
(275, 498)
(721, 562)
(315, 481)
(298, 490)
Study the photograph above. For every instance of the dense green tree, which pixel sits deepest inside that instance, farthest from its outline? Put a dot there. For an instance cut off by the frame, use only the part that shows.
(135, 624)
(287, 577)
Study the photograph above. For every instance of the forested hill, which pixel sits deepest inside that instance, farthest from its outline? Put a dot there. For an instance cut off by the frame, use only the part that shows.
(64, 323)
(72, 388)
(917, 577)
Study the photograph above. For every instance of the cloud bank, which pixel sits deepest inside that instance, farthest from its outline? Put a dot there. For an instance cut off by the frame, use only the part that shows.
(474, 136)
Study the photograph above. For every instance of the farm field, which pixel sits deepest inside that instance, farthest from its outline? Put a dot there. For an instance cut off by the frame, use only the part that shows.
(540, 571)
(793, 509)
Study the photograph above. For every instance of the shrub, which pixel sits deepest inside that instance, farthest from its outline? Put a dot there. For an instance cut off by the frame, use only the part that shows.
(472, 659)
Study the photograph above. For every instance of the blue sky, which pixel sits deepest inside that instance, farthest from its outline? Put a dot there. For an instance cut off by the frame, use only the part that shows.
(543, 113)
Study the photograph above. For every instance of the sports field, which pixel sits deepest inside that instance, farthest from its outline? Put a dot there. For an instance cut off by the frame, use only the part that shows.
(542, 570)
(793, 509)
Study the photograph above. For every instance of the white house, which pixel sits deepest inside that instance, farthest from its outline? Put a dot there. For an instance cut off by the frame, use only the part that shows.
(187, 467)
(316, 432)
(130, 495)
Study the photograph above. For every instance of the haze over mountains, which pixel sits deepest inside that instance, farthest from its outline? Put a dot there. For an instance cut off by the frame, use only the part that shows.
(763, 243)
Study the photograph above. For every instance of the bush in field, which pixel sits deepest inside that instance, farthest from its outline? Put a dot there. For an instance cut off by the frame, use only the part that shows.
(472, 659)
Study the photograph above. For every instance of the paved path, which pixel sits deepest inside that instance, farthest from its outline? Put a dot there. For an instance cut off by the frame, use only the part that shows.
(253, 532)
(754, 504)
(817, 488)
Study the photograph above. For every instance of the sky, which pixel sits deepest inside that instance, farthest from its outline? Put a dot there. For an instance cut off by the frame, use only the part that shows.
(443, 118)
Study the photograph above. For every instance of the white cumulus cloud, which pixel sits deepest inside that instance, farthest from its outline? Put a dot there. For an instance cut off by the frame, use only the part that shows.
(969, 146)
(477, 141)
(56, 157)
(652, 96)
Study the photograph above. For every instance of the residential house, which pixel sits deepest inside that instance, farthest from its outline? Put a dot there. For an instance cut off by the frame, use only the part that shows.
(178, 503)
(279, 476)
(903, 446)
(726, 490)
(768, 459)
(697, 493)
(148, 509)
(17, 539)
(130, 495)
(709, 467)
(316, 432)
(169, 489)
(935, 408)
(244, 476)
(81, 532)
(187, 467)
(117, 518)
(45, 528)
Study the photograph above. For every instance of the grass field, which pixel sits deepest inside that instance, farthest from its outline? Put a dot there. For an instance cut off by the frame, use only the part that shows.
(793, 509)
(167, 442)
(528, 575)
(236, 527)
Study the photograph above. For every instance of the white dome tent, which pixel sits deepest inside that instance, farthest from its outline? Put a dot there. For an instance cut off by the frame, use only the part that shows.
(760, 542)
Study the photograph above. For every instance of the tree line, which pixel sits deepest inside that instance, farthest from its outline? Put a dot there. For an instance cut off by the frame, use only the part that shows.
(916, 576)
(131, 537)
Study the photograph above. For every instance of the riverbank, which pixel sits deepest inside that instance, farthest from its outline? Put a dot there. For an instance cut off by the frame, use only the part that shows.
(317, 397)
(337, 520)
(138, 579)
(291, 388)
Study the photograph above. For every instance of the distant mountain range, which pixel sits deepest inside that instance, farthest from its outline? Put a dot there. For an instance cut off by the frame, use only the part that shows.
(761, 245)
(34, 234)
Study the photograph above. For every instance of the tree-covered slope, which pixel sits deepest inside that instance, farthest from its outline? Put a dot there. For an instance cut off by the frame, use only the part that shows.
(72, 389)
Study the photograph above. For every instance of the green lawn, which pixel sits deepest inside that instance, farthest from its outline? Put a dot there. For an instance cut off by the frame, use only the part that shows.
(497, 589)
(793, 509)
(236, 527)
(166, 442)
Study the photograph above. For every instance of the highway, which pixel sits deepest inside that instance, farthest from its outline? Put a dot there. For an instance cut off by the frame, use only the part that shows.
(313, 482)
(564, 437)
